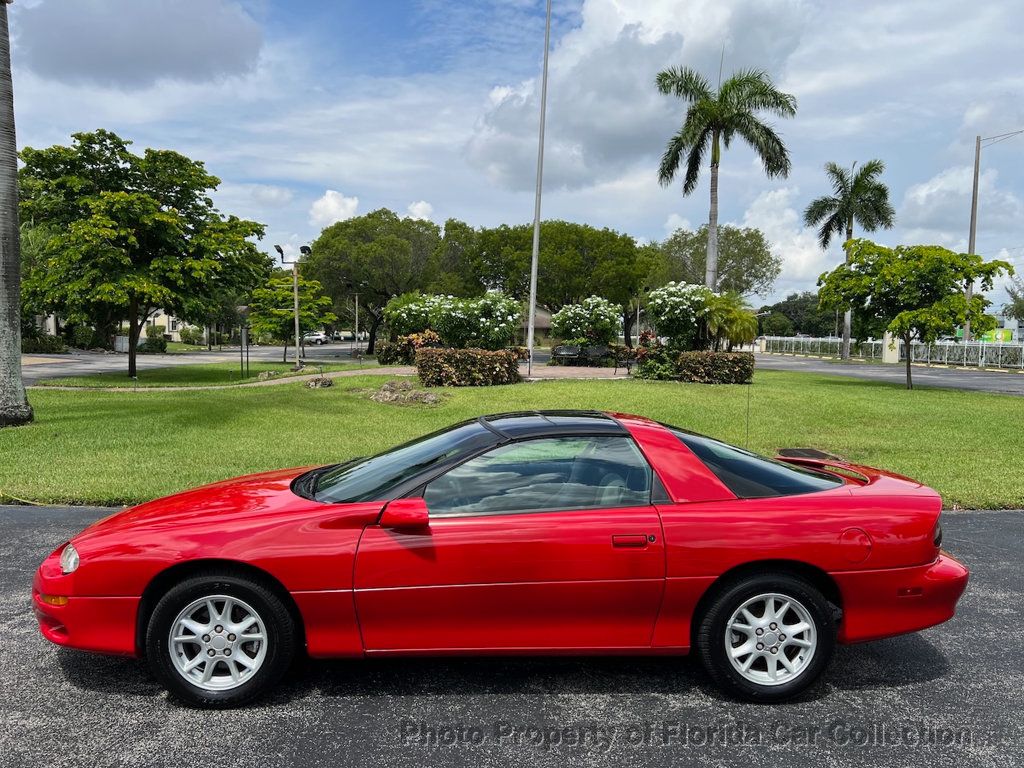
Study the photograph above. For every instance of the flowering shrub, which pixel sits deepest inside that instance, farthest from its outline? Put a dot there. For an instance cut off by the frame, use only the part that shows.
(676, 310)
(593, 321)
(490, 321)
(467, 367)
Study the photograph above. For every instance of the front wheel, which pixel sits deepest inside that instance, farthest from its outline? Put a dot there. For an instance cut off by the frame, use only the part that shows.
(767, 638)
(219, 641)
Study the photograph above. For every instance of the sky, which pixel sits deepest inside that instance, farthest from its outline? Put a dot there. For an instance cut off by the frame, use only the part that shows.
(313, 111)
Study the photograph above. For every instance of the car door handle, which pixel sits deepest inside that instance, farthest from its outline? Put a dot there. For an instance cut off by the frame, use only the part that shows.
(629, 540)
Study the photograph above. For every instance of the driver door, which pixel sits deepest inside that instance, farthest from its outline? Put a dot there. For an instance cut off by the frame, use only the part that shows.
(544, 544)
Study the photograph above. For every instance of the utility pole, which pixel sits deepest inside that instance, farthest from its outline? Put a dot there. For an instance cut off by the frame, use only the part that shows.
(531, 320)
(972, 238)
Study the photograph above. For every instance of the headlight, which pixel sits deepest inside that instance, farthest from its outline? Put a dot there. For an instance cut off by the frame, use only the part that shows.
(69, 559)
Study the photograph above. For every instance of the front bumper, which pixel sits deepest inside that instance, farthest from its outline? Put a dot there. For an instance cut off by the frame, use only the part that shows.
(895, 601)
(103, 624)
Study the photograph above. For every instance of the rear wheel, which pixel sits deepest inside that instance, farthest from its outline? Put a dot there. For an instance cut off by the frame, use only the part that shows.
(767, 638)
(219, 641)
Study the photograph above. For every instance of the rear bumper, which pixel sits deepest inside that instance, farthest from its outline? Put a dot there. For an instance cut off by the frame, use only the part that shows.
(895, 601)
(102, 624)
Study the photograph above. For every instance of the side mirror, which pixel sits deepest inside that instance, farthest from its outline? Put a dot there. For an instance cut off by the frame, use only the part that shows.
(405, 514)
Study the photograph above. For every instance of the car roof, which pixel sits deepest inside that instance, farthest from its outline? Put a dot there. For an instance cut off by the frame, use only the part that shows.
(520, 424)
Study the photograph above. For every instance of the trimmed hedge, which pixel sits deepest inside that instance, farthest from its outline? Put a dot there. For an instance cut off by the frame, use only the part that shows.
(43, 344)
(716, 367)
(467, 367)
(702, 367)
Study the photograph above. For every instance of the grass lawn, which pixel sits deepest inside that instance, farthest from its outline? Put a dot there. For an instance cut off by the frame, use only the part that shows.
(111, 447)
(192, 375)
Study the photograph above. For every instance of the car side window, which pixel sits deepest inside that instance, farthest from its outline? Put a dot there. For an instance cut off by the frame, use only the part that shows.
(562, 473)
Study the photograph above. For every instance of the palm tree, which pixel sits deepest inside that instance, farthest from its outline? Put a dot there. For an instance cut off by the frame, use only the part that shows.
(712, 120)
(14, 407)
(859, 197)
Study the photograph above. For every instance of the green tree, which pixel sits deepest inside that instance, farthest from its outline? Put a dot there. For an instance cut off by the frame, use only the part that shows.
(272, 308)
(379, 256)
(806, 314)
(858, 197)
(746, 264)
(713, 119)
(777, 324)
(1015, 307)
(133, 234)
(915, 290)
(14, 407)
(452, 268)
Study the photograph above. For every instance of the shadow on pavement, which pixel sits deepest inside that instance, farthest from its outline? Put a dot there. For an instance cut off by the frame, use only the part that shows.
(884, 664)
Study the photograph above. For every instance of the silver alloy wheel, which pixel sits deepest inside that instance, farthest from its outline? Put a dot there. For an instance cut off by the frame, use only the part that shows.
(771, 639)
(217, 642)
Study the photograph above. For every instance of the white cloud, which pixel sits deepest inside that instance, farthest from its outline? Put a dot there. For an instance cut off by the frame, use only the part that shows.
(775, 214)
(675, 221)
(604, 113)
(132, 44)
(421, 209)
(938, 210)
(331, 207)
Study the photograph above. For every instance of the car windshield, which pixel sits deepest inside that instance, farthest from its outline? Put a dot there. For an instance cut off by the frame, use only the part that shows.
(751, 476)
(371, 479)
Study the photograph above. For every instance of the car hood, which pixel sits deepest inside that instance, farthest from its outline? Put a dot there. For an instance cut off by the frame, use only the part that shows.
(249, 496)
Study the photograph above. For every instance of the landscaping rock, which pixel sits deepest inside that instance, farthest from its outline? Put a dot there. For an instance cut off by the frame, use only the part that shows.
(321, 382)
(264, 375)
(403, 392)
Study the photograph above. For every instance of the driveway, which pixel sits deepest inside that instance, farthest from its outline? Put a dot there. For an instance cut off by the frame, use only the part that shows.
(947, 378)
(951, 695)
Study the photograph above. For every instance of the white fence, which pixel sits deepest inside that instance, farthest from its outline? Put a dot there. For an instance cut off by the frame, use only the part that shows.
(978, 354)
(821, 347)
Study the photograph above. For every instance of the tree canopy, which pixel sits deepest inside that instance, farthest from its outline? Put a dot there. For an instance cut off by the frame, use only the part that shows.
(272, 308)
(917, 291)
(131, 234)
(379, 256)
(746, 264)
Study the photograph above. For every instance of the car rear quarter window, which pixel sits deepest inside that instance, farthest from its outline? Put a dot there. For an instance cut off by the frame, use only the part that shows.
(750, 476)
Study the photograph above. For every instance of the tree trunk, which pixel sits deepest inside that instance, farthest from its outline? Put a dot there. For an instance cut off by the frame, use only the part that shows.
(628, 318)
(711, 265)
(134, 329)
(14, 407)
(284, 357)
(848, 314)
(374, 325)
(906, 345)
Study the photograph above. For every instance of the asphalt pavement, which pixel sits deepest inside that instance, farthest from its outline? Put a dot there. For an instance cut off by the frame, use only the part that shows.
(1009, 383)
(951, 695)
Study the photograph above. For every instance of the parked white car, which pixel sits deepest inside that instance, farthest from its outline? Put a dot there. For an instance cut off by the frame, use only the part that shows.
(316, 337)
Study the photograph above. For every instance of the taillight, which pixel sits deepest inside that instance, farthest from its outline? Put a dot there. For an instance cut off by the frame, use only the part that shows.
(937, 537)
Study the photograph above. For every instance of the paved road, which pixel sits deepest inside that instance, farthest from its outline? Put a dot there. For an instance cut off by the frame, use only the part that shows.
(948, 378)
(962, 681)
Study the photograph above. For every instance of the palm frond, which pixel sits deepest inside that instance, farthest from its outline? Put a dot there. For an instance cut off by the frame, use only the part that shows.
(765, 142)
(685, 83)
(752, 90)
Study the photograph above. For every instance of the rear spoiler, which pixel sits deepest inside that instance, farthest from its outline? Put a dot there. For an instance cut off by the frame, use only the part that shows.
(815, 459)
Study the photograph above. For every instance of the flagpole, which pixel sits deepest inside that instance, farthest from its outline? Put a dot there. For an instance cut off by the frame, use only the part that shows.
(531, 321)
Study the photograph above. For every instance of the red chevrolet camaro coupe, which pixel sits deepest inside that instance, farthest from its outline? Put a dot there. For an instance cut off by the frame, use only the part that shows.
(558, 532)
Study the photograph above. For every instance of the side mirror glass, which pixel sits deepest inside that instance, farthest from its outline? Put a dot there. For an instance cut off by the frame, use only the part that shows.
(405, 514)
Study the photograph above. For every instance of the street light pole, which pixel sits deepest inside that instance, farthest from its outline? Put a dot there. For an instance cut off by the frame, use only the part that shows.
(972, 238)
(295, 290)
(531, 320)
(304, 251)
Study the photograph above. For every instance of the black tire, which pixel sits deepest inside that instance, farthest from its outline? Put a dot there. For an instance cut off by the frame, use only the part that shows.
(278, 625)
(711, 636)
